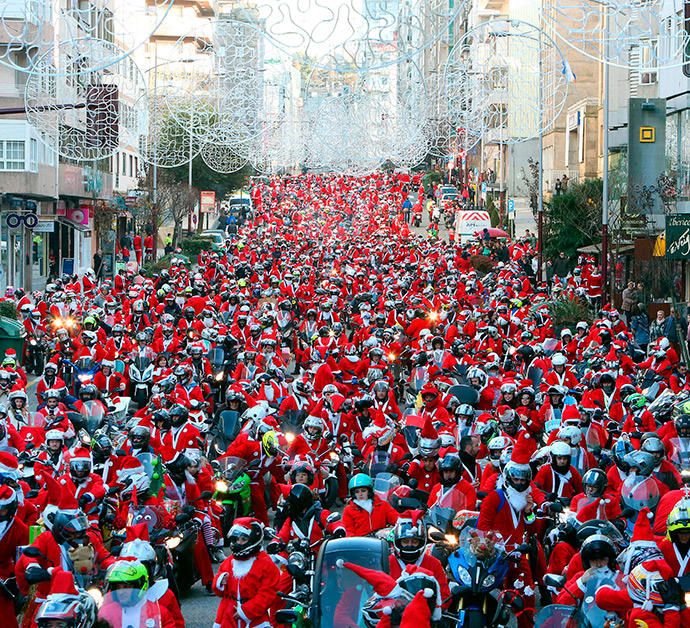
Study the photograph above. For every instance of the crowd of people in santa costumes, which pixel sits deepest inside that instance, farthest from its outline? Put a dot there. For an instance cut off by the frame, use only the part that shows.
(353, 347)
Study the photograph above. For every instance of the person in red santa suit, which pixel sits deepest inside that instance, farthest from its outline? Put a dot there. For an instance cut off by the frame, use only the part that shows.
(247, 581)
(560, 374)
(452, 491)
(510, 510)
(109, 381)
(137, 546)
(182, 434)
(366, 513)
(14, 533)
(409, 548)
(558, 479)
(87, 487)
(641, 602)
(424, 470)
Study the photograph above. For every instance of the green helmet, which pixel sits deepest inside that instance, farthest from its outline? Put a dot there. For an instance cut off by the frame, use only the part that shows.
(635, 401)
(361, 480)
(127, 581)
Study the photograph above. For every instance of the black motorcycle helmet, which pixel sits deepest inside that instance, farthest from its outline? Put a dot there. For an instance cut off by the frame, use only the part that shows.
(69, 526)
(607, 382)
(246, 536)
(302, 467)
(101, 448)
(189, 313)
(88, 392)
(450, 470)
(79, 469)
(161, 419)
(177, 467)
(139, 436)
(682, 423)
(598, 546)
(299, 500)
(178, 415)
(594, 483)
(409, 539)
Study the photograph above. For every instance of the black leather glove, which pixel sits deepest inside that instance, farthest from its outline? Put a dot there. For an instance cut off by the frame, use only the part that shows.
(34, 575)
(339, 533)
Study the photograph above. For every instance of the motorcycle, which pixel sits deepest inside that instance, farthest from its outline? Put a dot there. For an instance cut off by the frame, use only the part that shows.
(224, 430)
(218, 382)
(36, 353)
(80, 372)
(141, 378)
(232, 490)
(445, 518)
(583, 612)
(480, 565)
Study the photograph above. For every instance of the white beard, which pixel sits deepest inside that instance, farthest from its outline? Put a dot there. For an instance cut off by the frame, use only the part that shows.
(515, 498)
(365, 504)
(240, 568)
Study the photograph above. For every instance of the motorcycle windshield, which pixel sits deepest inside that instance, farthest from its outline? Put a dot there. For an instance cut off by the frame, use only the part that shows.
(216, 357)
(593, 440)
(150, 462)
(292, 421)
(446, 507)
(593, 615)
(94, 415)
(385, 484)
(36, 420)
(378, 463)
(85, 364)
(231, 467)
(558, 616)
(119, 366)
(638, 493)
(141, 363)
(343, 593)
(464, 394)
(479, 545)
(680, 453)
(665, 398)
(550, 345)
(230, 423)
(535, 374)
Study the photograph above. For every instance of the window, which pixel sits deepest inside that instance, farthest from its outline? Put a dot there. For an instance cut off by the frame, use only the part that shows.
(648, 62)
(33, 155)
(131, 166)
(12, 155)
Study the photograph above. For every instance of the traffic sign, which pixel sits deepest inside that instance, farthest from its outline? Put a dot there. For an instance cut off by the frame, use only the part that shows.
(511, 206)
(30, 220)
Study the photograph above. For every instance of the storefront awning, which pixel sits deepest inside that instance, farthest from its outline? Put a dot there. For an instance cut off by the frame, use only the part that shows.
(74, 225)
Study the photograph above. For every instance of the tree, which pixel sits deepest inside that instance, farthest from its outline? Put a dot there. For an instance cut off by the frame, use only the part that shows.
(176, 201)
(573, 220)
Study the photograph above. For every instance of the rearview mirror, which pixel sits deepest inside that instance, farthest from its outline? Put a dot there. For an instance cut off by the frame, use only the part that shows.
(553, 581)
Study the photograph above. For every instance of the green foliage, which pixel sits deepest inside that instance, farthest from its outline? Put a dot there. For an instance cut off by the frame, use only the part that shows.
(8, 310)
(573, 220)
(152, 268)
(568, 312)
(430, 179)
(194, 245)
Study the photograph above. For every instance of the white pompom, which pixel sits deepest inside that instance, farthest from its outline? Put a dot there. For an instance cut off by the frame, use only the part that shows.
(387, 610)
(340, 563)
(429, 593)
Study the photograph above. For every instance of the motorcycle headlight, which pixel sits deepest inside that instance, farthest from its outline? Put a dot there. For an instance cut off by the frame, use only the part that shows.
(219, 376)
(173, 542)
(289, 437)
(464, 577)
(488, 582)
(32, 342)
(84, 378)
(334, 456)
(297, 559)
(221, 486)
(451, 539)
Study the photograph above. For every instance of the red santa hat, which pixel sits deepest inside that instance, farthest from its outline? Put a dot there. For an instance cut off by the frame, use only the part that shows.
(570, 413)
(139, 531)
(642, 531)
(429, 389)
(10, 353)
(383, 583)
(7, 495)
(62, 583)
(524, 447)
(417, 614)
(81, 454)
(589, 511)
(8, 463)
(129, 466)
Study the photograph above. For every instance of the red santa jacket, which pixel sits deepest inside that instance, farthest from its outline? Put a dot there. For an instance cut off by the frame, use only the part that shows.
(180, 438)
(359, 522)
(247, 588)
